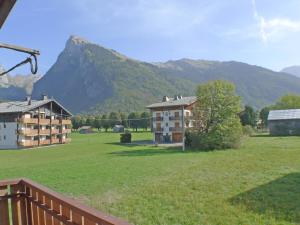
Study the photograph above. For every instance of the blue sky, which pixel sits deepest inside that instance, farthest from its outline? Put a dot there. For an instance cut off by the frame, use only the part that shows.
(260, 32)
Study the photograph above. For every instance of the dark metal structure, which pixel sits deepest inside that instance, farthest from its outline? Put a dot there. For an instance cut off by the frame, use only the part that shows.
(5, 8)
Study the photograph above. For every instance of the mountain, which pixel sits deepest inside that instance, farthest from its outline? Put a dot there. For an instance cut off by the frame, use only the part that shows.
(90, 78)
(16, 87)
(294, 70)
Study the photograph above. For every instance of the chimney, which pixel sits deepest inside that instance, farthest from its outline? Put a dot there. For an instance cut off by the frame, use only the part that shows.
(44, 97)
(28, 100)
(165, 99)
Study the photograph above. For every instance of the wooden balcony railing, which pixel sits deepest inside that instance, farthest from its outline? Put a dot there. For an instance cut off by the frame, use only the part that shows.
(66, 131)
(34, 204)
(45, 132)
(28, 132)
(55, 122)
(44, 142)
(66, 122)
(28, 143)
(28, 120)
(44, 121)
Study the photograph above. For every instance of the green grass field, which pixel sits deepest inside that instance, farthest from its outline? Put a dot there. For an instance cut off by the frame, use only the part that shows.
(257, 184)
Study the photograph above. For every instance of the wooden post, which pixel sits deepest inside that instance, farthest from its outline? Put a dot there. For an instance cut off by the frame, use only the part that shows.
(4, 214)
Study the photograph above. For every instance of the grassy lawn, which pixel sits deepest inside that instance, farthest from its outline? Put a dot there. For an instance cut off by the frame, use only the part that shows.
(257, 184)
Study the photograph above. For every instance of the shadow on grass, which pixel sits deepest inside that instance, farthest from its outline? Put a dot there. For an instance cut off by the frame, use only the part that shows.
(148, 152)
(279, 198)
(132, 144)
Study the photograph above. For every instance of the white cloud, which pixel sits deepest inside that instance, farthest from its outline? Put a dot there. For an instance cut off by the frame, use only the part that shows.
(275, 27)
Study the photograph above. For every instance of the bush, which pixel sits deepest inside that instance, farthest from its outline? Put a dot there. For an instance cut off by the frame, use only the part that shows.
(223, 136)
(248, 130)
(125, 138)
(188, 138)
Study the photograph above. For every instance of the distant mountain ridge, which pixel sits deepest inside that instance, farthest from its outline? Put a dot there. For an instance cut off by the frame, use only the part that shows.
(16, 87)
(294, 70)
(90, 78)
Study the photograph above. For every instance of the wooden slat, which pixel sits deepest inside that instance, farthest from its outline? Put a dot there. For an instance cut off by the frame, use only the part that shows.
(28, 206)
(4, 215)
(76, 217)
(15, 202)
(48, 205)
(34, 208)
(41, 212)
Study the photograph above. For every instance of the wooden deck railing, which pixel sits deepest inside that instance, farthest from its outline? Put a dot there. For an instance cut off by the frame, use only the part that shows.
(24, 202)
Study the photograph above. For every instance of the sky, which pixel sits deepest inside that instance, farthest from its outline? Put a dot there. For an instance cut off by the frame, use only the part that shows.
(258, 32)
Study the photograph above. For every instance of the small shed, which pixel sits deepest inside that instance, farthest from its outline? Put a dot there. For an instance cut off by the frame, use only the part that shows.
(86, 130)
(118, 128)
(284, 122)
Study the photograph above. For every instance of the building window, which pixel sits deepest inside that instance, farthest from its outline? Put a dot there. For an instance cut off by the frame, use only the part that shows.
(4, 125)
(4, 137)
(167, 124)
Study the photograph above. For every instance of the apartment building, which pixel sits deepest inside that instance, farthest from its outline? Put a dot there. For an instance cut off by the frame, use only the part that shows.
(171, 117)
(32, 123)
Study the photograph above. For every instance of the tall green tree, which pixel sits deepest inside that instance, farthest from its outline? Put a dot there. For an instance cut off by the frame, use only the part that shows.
(217, 125)
(134, 120)
(105, 123)
(76, 122)
(263, 115)
(248, 116)
(114, 119)
(289, 101)
(124, 120)
(90, 121)
(97, 123)
(145, 121)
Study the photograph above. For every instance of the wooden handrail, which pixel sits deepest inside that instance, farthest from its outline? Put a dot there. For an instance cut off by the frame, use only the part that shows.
(29, 199)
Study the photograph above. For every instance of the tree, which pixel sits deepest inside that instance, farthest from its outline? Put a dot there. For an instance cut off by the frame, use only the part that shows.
(217, 125)
(90, 121)
(76, 122)
(105, 123)
(114, 119)
(97, 123)
(124, 120)
(248, 116)
(134, 120)
(263, 115)
(145, 121)
(289, 101)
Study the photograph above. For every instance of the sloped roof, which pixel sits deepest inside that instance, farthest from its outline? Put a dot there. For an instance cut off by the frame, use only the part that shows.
(5, 8)
(284, 114)
(184, 101)
(22, 106)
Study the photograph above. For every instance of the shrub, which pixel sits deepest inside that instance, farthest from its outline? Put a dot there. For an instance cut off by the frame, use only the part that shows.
(125, 138)
(223, 136)
(188, 138)
(248, 130)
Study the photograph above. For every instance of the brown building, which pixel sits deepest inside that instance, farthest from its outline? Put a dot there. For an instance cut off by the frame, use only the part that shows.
(171, 117)
(33, 123)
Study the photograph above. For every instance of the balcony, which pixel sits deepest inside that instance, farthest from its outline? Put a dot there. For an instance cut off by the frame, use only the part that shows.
(55, 122)
(28, 132)
(27, 143)
(66, 131)
(25, 202)
(28, 120)
(44, 142)
(66, 122)
(55, 141)
(44, 121)
(45, 132)
(55, 131)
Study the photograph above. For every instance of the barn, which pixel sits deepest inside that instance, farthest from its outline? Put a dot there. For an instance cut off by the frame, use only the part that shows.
(284, 122)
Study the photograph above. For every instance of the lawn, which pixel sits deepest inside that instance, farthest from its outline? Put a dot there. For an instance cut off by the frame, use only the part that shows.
(257, 184)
